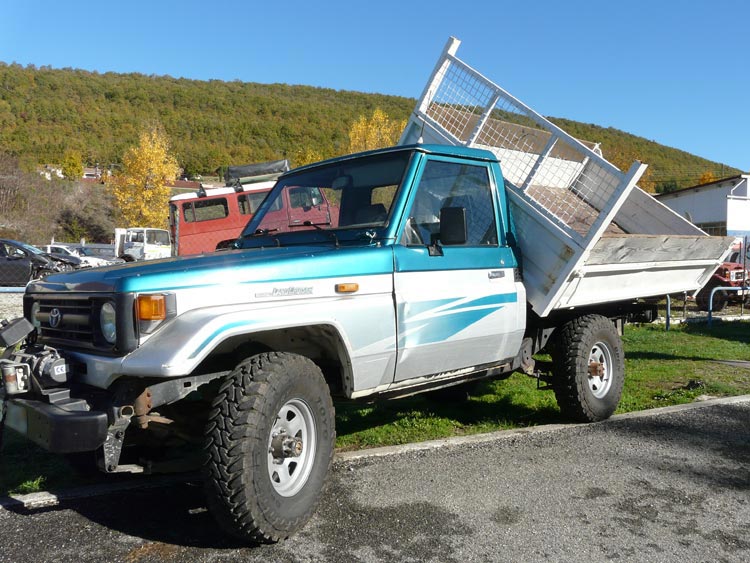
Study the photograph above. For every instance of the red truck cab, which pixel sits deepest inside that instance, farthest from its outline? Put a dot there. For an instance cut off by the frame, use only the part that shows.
(732, 273)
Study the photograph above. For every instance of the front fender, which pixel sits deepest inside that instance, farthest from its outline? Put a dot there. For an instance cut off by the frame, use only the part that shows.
(365, 325)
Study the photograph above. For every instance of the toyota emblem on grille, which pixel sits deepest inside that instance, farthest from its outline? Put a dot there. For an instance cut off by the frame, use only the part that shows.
(55, 317)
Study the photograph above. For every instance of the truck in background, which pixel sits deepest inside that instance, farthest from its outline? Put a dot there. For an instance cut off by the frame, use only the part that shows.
(444, 264)
(734, 275)
(212, 218)
(142, 243)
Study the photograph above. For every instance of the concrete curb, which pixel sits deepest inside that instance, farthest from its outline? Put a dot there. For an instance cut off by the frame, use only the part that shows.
(49, 499)
(343, 457)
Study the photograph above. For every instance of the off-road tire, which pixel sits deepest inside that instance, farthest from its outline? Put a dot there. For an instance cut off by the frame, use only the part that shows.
(244, 496)
(704, 295)
(579, 343)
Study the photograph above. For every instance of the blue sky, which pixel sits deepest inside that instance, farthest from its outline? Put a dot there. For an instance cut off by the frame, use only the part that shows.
(677, 72)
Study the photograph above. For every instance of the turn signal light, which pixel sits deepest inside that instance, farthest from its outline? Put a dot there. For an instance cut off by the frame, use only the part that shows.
(152, 307)
(347, 287)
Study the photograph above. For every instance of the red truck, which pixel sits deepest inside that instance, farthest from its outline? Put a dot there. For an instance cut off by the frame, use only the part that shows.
(201, 220)
(732, 273)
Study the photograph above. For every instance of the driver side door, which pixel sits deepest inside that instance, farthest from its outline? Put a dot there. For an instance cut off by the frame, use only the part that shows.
(460, 308)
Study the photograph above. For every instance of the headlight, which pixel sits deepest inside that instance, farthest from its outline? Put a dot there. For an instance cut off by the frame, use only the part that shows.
(108, 322)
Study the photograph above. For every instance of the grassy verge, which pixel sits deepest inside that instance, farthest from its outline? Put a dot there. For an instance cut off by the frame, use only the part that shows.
(663, 368)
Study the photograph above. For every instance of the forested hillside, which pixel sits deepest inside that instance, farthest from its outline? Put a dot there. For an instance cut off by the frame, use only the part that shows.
(45, 112)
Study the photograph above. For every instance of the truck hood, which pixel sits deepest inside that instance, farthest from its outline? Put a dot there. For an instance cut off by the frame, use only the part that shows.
(221, 268)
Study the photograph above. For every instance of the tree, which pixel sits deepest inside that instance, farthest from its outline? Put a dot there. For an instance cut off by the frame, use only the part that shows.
(306, 155)
(707, 177)
(666, 187)
(72, 165)
(376, 132)
(141, 190)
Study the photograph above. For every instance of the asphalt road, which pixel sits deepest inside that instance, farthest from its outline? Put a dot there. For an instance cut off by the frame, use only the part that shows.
(671, 486)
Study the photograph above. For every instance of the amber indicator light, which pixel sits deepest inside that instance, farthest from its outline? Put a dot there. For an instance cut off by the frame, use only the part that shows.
(152, 307)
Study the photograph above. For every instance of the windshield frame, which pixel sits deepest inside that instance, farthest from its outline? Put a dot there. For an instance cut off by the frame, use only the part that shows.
(400, 160)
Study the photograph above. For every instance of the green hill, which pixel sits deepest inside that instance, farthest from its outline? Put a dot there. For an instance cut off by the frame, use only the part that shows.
(44, 112)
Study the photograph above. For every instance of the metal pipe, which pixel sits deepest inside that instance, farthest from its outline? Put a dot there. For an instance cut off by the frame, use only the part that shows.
(669, 310)
(711, 299)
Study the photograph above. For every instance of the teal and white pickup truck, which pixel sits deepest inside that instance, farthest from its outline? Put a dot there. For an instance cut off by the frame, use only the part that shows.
(437, 271)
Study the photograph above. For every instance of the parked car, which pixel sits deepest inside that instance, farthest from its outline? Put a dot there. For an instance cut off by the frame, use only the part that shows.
(77, 253)
(105, 252)
(20, 262)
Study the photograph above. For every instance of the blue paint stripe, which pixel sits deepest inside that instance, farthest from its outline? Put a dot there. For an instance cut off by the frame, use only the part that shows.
(257, 266)
(448, 321)
(216, 333)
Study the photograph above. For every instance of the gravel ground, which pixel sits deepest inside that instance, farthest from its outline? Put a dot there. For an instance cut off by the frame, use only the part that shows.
(11, 305)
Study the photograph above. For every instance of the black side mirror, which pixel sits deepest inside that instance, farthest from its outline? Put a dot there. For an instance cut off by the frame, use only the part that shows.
(453, 225)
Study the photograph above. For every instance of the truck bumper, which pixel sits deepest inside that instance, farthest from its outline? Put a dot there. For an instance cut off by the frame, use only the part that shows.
(55, 429)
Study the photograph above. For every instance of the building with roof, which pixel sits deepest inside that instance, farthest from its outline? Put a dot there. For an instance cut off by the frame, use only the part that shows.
(721, 207)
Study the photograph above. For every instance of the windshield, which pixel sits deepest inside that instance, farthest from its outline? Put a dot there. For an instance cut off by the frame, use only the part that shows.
(341, 196)
(32, 249)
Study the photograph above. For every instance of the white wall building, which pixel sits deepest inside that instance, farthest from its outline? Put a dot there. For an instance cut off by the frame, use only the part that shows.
(719, 208)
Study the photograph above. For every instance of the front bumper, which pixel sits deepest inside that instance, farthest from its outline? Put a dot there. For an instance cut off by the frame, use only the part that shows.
(55, 429)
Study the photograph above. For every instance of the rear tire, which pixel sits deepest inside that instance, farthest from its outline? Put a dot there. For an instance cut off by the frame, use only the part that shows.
(589, 368)
(270, 439)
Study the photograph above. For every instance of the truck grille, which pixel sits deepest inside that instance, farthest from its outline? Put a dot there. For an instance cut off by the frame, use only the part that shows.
(72, 320)
(67, 319)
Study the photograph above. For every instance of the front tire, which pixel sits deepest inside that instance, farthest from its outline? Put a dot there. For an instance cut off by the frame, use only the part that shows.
(270, 439)
(589, 368)
(703, 297)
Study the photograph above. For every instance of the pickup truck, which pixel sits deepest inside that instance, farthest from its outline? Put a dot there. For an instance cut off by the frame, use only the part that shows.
(438, 270)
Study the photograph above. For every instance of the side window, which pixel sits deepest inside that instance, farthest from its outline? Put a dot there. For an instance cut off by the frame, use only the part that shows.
(187, 212)
(205, 210)
(451, 184)
(249, 202)
(209, 209)
(157, 237)
(304, 197)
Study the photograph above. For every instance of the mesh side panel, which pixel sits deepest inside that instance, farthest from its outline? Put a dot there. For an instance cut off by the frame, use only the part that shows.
(559, 175)
(459, 101)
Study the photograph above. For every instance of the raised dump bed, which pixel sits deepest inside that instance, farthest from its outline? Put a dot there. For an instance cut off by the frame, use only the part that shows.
(587, 233)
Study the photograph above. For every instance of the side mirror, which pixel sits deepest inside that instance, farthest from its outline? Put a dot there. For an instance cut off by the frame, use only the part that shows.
(453, 226)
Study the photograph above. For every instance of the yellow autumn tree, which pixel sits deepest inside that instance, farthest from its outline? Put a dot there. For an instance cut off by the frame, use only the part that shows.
(305, 156)
(375, 132)
(141, 189)
(707, 177)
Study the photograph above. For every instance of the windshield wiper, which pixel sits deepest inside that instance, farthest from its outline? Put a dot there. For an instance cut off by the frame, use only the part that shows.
(259, 233)
(317, 227)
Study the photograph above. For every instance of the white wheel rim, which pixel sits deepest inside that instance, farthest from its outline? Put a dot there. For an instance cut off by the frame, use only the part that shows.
(600, 370)
(295, 428)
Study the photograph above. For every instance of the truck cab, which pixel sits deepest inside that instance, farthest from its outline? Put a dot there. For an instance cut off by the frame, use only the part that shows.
(139, 243)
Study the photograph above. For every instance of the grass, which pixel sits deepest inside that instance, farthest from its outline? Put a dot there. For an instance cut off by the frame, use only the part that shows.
(662, 368)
